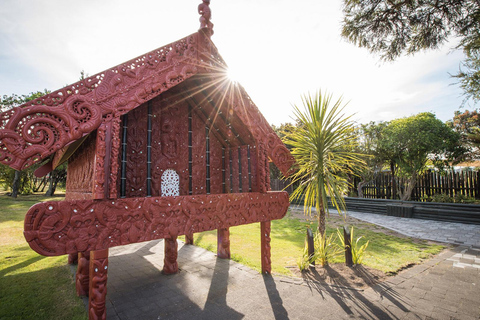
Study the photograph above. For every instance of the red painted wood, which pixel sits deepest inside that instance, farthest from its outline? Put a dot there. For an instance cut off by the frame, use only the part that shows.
(170, 265)
(199, 168)
(223, 243)
(98, 285)
(60, 227)
(265, 227)
(80, 171)
(136, 183)
(82, 275)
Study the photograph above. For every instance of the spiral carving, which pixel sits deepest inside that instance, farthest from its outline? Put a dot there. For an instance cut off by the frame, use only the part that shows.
(56, 228)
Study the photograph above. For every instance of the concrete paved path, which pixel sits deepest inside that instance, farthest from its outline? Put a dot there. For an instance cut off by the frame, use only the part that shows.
(446, 287)
(446, 232)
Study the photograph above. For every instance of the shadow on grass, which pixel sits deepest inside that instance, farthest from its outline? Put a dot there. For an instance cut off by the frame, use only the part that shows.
(20, 265)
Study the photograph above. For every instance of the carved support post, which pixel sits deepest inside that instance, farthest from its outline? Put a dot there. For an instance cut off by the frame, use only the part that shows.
(83, 273)
(170, 265)
(265, 244)
(98, 285)
(223, 243)
(72, 258)
(189, 238)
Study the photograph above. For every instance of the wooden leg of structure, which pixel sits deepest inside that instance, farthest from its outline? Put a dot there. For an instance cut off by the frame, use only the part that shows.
(170, 265)
(72, 258)
(265, 244)
(189, 238)
(83, 274)
(223, 243)
(98, 285)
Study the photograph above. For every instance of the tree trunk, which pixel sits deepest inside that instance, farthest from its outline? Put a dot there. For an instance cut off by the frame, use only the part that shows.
(394, 184)
(321, 220)
(407, 195)
(359, 188)
(52, 186)
(16, 184)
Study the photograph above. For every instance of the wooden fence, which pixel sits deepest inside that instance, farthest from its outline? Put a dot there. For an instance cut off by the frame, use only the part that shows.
(465, 183)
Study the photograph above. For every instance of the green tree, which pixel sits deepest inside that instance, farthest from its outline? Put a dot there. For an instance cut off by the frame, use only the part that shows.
(322, 145)
(415, 141)
(467, 124)
(393, 28)
(369, 138)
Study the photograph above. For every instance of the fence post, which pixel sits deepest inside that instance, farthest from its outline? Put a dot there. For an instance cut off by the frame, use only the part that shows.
(311, 245)
(348, 247)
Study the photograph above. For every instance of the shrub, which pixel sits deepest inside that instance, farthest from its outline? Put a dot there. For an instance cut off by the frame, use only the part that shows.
(358, 251)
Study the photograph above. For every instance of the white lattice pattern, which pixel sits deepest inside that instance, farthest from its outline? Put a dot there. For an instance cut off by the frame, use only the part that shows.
(170, 183)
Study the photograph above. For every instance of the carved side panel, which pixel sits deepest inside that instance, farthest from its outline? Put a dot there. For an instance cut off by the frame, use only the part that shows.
(169, 141)
(199, 167)
(80, 171)
(244, 164)
(216, 165)
(115, 158)
(228, 182)
(60, 227)
(101, 151)
(254, 168)
(136, 183)
(234, 169)
(98, 285)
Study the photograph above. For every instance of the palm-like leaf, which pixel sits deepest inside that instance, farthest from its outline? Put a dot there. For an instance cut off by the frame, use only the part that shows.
(323, 146)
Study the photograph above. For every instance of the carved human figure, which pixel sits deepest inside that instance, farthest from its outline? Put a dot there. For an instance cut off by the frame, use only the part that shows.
(82, 275)
(98, 285)
(206, 15)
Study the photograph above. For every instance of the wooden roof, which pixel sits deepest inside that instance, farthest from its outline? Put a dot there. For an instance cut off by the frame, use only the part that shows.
(36, 130)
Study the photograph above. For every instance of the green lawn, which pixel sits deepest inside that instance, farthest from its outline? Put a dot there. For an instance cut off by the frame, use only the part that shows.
(32, 286)
(385, 252)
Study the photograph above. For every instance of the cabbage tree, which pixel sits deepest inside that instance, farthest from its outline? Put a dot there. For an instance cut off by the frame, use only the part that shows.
(322, 144)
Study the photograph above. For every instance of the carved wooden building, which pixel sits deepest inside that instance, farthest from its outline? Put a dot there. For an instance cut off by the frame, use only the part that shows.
(159, 146)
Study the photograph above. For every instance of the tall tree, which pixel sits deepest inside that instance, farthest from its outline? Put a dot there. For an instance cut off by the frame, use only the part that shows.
(467, 124)
(322, 145)
(415, 141)
(393, 28)
(369, 137)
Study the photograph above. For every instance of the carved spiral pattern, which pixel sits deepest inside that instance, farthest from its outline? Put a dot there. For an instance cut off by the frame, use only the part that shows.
(37, 129)
(57, 228)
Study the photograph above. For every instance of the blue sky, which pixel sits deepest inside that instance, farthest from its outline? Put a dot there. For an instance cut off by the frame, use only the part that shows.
(278, 50)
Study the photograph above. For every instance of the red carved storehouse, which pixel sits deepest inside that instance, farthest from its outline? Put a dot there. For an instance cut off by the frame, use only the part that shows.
(159, 146)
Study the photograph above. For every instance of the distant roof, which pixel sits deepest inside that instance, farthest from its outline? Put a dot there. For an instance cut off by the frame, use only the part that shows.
(34, 131)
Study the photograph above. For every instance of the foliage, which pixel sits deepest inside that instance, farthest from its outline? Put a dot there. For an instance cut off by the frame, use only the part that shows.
(445, 198)
(32, 286)
(358, 251)
(369, 137)
(394, 28)
(304, 261)
(325, 248)
(413, 142)
(385, 252)
(467, 124)
(322, 145)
